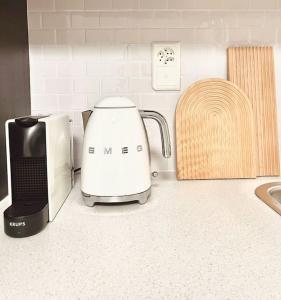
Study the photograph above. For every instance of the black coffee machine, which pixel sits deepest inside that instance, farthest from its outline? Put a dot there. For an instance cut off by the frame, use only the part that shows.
(39, 149)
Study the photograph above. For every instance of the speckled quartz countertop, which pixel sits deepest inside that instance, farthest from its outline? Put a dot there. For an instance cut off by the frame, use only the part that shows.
(192, 240)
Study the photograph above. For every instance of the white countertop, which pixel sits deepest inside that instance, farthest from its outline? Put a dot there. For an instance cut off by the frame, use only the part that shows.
(192, 240)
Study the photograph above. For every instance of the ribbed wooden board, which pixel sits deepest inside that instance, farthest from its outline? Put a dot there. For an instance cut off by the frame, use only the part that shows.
(252, 69)
(215, 132)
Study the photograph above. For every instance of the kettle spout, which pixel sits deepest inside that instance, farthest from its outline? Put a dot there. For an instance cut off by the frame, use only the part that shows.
(86, 115)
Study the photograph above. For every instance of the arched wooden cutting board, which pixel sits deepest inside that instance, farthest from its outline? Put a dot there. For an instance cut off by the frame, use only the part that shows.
(215, 132)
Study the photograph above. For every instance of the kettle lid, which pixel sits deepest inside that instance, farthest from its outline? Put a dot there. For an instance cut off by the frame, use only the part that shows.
(115, 102)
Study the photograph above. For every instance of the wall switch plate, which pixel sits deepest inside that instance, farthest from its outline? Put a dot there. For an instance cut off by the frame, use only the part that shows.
(166, 66)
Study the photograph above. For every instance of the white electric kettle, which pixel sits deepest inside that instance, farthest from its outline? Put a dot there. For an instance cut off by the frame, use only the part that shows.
(116, 156)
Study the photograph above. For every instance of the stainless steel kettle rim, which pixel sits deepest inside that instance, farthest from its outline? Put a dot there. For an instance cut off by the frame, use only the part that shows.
(100, 107)
(142, 198)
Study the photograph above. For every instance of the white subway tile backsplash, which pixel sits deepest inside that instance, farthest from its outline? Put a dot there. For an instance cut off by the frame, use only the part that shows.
(96, 36)
(35, 53)
(272, 19)
(98, 4)
(40, 5)
(261, 36)
(210, 36)
(146, 69)
(114, 19)
(87, 85)
(113, 52)
(107, 69)
(153, 4)
(279, 35)
(160, 100)
(237, 37)
(114, 86)
(71, 69)
(133, 69)
(43, 69)
(59, 85)
(195, 19)
(209, 4)
(71, 36)
(41, 37)
(43, 103)
(158, 162)
(172, 161)
(167, 19)
(138, 52)
(262, 4)
(187, 36)
(125, 4)
(56, 52)
(223, 19)
(210, 62)
(181, 4)
(69, 5)
(141, 19)
(150, 35)
(237, 4)
(84, 50)
(37, 85)
(140, 85)
(34, 20)
(251, 19)
(85, 20)
(127, 36)
(56, 20)
(72, 102)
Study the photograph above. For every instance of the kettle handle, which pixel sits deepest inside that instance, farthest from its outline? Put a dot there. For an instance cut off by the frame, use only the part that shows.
(164, 129)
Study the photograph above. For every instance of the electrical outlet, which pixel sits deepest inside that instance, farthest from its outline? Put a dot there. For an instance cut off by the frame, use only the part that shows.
(166, 66)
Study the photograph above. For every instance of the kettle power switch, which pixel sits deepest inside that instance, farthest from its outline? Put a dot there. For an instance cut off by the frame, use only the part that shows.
(154, 174)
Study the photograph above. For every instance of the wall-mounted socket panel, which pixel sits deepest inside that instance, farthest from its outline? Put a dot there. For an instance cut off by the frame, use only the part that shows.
(166, 73)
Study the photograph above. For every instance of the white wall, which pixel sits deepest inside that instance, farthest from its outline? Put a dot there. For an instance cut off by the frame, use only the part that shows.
(84, 50)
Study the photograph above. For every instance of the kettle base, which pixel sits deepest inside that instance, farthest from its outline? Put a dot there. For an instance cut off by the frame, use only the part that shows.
(141, 198)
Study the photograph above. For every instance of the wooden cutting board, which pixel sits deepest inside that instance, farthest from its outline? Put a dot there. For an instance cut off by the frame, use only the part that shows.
(252, 69)
(215, 134)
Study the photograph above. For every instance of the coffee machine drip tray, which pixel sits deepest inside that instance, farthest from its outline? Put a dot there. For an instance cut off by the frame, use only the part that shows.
(23, 219)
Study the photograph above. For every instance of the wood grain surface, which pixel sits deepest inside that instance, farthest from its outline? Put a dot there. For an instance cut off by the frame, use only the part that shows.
(215, 134)
(252, 69)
